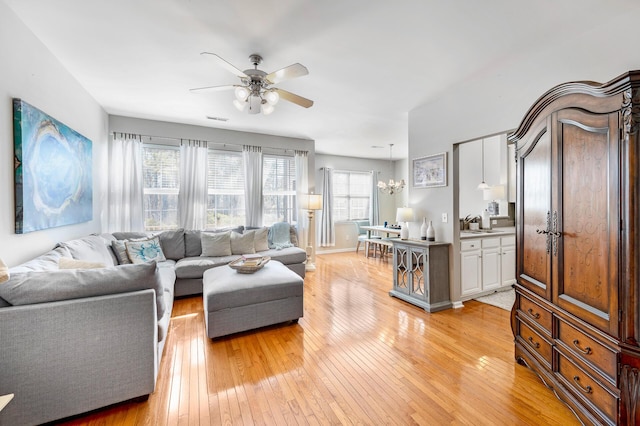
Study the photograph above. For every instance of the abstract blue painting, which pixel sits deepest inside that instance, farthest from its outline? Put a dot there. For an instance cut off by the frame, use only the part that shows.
(53, 173)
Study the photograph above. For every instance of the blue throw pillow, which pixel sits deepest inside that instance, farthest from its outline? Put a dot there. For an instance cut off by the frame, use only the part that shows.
(145, 250)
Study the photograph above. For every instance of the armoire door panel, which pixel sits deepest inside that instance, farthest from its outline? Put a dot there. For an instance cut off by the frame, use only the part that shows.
(584, 256)
(534, 269)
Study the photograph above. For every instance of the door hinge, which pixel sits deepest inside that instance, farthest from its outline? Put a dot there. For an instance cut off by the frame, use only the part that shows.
(620, 313)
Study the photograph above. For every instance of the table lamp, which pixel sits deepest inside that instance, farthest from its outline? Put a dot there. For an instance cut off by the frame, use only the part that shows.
(404, 215)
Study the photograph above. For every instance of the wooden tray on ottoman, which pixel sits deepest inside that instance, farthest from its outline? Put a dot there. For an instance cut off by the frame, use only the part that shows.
(249, 265)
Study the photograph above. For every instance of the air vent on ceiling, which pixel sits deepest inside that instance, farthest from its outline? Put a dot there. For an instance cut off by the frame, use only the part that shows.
(217, 118)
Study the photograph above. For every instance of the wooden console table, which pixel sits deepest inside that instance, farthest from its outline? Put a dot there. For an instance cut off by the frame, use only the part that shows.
(421, 274)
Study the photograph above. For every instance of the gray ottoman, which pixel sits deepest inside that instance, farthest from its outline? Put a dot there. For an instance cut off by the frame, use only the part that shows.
(235, 302)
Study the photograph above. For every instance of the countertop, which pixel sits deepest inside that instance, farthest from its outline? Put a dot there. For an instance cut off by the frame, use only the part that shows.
(484, 233)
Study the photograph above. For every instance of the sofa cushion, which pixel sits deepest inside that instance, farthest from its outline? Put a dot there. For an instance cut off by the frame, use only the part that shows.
(287, 256)
(25, 288)
(192, 243)
(130, 235)
(145, 250)
(216, 244)
(194, 267)
(44, 262)
(261, 239)
(172, 243)
(243, 243)
(91, 248)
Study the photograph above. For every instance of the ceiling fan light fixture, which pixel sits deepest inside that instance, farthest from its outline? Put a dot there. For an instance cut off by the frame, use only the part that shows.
(267, 108)
(239, 105)
(272, 97)
(255, 104)
(241, 93)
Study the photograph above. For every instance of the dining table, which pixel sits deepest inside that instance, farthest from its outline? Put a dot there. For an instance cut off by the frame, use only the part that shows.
(380, 242)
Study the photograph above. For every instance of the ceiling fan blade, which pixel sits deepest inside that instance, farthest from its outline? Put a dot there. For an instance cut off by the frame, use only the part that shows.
(292, 71)
(226, 65)
(213, 88)
(296, 99)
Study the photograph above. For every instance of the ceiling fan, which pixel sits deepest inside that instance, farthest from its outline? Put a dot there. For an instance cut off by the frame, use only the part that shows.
(256, 90)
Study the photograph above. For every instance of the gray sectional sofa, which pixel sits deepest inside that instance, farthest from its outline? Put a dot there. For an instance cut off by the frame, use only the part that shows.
(74, 340)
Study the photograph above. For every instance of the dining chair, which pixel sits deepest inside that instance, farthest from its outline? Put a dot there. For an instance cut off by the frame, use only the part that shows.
(363, 235)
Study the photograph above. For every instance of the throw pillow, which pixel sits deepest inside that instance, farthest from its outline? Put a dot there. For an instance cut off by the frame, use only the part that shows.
(172, 243)
(145, 250)
(120, 251)
(92, 248)
(261, 239)
(216, 244)
(69, 263)
(243, 243)
(293, 235)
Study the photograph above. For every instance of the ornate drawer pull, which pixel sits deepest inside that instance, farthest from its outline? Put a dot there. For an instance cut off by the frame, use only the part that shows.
(585, 351)
(534, 344)
(530, 312)
(586, 389)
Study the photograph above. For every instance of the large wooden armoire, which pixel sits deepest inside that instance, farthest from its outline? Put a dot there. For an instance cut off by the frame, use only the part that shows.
(576, 319)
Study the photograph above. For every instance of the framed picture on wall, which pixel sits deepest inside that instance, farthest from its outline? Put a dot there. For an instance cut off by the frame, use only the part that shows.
(430, 171)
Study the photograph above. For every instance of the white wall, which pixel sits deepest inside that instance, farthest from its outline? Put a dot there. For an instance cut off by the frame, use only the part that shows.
(496, 100)
(346, 233)
(472, 200)
(30, 72)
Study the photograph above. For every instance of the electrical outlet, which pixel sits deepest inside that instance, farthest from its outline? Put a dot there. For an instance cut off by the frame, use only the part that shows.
(347, 237)
(494, 222)
(445, 218)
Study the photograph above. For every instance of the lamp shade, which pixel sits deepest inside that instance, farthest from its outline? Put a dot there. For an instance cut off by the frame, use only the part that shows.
(404, 214)
(311, 201)
(494, 193)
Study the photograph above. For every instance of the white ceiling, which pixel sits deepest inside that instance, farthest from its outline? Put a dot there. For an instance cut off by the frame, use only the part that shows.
(370, 62)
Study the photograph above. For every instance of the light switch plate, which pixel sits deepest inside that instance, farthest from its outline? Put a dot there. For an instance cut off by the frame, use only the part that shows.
(445, 218)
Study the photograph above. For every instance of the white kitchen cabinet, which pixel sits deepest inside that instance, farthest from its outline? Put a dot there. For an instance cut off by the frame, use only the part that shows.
(471, 268)
(487, 264)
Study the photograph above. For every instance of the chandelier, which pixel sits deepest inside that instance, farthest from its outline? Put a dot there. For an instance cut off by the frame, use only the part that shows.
(392, 187)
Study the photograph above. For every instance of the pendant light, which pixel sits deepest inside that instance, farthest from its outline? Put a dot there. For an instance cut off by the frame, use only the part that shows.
(483, 184)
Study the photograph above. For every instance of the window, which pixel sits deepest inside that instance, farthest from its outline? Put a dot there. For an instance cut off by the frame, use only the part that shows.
(161, 185)
(226, 189)
(351, 195)
(279, 189)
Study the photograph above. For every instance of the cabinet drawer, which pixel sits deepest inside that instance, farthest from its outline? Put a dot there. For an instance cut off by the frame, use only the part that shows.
(593, 353)
(585, 386)
(535, 341)
(469, 245)
(508, 241)
(490, 242)
(535, 313)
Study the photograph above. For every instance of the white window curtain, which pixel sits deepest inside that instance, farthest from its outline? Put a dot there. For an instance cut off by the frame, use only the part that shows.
(327, 227)
(252, 161)
(126, 184)
(301, 159)
(193, 195)
(374, 208)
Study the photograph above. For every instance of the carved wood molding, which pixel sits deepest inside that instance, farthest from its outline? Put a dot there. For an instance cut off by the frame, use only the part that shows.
(630, 391)
(630, 111)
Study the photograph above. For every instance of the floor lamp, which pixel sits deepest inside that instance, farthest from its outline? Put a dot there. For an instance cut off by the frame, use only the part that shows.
(311, 202)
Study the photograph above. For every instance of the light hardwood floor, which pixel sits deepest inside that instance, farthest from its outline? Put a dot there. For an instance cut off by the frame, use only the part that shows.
(357, 357)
